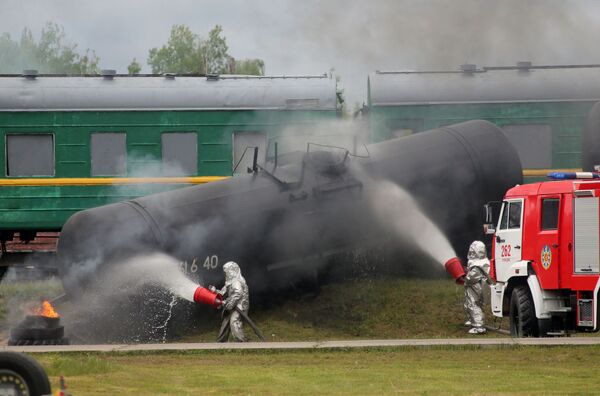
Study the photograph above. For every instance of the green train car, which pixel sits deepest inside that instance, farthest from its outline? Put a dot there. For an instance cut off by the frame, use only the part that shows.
(542, 109)
(75, 142)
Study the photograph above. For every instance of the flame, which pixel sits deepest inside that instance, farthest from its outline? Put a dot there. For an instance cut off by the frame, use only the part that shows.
(46, 310)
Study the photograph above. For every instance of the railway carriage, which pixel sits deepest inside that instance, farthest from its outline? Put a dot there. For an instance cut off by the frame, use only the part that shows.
(542, 109)
(75, 142)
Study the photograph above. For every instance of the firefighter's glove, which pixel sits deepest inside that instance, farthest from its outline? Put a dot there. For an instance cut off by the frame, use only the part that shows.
(229, 304)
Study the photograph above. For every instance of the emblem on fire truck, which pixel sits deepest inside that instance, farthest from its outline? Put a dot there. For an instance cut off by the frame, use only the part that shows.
(546, 257)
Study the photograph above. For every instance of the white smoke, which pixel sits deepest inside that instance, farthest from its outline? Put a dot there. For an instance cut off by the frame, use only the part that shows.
(401, 215)
(358, 37)
(346, 134)
(155, 269)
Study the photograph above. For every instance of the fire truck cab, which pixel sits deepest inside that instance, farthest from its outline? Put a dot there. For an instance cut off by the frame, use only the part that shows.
(546, 256)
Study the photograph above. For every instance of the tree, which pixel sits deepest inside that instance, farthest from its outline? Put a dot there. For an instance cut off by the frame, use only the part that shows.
(186, 52)
(51, 54)
(254, 67)
(214, 51)
(134, 67)
(181, 54)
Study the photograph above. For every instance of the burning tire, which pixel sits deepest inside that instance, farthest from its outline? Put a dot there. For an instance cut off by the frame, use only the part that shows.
(523, 322)
(41, 328)
(24, 333)
(22, 375)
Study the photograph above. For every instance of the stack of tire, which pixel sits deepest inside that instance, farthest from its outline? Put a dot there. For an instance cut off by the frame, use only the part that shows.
(38, 330)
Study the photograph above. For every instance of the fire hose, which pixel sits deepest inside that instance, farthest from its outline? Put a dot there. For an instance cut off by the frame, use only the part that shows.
(203, 295)
(245, 316)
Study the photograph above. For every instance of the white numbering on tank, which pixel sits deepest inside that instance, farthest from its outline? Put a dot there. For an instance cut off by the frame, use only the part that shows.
(194, 266)
(211, 262)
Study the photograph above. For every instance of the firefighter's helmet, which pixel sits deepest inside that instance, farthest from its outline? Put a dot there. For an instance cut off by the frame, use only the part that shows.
(477, 250)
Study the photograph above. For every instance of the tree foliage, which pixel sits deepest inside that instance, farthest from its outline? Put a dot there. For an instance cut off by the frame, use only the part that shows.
(214, 50)
(254, 67)
(50, 54)
(134, 67)
(186, 52)
(181, 54)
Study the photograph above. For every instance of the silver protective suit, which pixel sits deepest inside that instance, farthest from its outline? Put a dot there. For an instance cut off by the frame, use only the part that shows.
(236, 295)
(478, 268)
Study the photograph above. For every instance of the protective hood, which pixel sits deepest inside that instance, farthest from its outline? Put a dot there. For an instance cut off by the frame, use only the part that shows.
(232, 272)
(477, 251)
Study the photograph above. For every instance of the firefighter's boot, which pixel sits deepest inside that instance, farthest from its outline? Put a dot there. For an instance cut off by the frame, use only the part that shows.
(477, 330)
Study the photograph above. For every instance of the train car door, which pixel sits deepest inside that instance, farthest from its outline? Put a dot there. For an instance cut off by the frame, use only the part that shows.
(242, 154)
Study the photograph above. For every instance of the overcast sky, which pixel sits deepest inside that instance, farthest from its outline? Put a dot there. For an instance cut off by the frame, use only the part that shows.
(311, 36)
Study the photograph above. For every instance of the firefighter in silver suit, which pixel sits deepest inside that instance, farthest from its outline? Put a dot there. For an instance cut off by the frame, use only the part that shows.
(237, 298)
(478, 268)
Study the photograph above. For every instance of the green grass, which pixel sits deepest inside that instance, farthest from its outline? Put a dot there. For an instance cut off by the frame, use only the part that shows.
(397, 308)
(31, 290)
(373, 309)
(439, 370)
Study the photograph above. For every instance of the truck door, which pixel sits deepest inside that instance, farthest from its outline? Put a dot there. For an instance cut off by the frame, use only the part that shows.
(547, 245)
(509, 236)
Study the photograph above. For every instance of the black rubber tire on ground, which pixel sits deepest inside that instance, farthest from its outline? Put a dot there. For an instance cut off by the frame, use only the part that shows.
(53, 333)
(27, 368)
(523, 322)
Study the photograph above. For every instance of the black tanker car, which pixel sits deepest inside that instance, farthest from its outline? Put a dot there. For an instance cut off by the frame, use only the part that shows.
(296, 208)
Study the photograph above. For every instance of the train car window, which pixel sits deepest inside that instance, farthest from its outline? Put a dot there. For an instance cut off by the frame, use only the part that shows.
(109, 154)
(550, 214)
(180, 153)
(533, 143)
(243, 140)
(30, 154)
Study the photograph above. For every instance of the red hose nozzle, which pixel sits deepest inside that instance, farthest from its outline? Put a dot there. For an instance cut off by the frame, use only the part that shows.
(204, 296)
(456, 270)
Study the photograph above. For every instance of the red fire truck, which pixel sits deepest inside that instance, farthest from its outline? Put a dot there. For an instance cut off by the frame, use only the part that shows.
(546, 255)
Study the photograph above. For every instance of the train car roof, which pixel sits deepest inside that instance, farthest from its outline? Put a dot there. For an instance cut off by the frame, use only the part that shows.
(165, 92)
(505, 84)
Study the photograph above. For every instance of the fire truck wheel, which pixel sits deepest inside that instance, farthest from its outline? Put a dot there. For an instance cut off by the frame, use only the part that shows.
(523, 322)
(22, 373)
